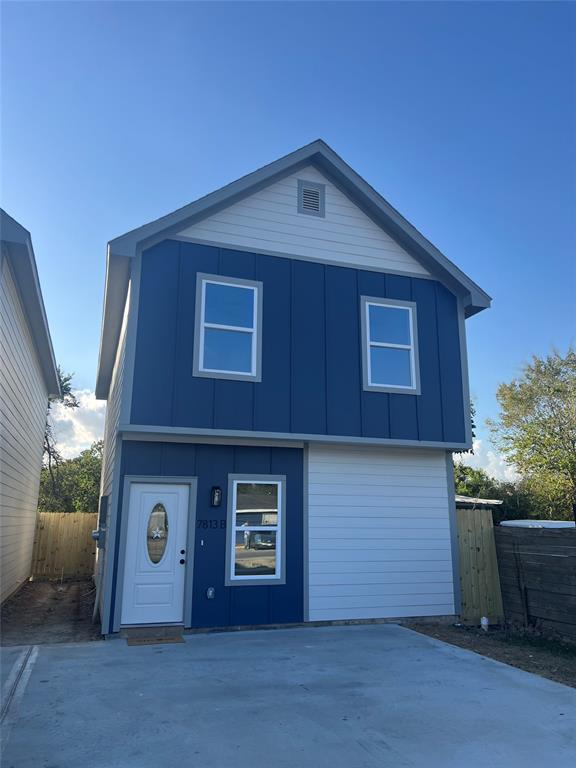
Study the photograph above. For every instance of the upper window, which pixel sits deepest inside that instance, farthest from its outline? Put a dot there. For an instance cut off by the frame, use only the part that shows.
(390, 352)
(227, 343)
(255, 529)
(311, 197)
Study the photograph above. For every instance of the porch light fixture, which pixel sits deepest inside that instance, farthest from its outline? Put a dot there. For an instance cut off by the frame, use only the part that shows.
(215, 496)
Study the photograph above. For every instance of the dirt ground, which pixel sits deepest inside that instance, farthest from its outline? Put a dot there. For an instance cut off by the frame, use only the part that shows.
(548, 658)
(49, 612)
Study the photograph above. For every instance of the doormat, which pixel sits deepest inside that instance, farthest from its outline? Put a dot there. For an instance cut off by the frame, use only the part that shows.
(153, 640)
(153, 635)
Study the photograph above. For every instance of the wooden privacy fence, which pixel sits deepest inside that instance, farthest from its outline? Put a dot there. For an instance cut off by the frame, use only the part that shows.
(479, 583)
(538, 576)
(63, 545)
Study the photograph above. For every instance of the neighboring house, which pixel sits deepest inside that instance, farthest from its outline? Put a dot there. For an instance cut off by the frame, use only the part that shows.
(285, 367)
(28, 377)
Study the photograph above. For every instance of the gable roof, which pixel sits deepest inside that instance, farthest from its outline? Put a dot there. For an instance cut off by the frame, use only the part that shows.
(122, 249)
(17, 243)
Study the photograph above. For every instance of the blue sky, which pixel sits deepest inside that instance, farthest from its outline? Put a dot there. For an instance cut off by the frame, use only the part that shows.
(460, 114)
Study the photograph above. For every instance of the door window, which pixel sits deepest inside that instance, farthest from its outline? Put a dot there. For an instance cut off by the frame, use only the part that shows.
(157, 533)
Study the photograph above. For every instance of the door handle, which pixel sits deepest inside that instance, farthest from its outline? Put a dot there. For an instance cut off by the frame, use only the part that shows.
(182, 561)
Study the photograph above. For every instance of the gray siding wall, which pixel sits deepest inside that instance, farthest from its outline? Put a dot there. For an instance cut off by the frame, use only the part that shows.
(111, 441)
(113, 409)
(23, 404)
(113, 414)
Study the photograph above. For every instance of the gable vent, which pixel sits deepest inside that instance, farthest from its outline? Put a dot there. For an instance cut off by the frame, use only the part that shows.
(311, 198)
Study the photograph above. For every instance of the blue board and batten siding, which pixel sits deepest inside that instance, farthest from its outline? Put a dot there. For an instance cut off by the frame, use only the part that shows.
(311, 351)
(211, 464)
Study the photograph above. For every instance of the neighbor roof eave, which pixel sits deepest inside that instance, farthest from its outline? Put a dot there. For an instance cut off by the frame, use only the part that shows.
(18, 243)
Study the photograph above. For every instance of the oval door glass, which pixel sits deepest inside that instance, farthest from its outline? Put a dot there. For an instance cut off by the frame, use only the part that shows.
(157, 533)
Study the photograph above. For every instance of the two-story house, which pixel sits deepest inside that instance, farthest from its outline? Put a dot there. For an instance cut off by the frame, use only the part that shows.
(28, 378)
(285, 367)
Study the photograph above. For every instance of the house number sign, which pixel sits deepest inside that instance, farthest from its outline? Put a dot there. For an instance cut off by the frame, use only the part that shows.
(210, 524)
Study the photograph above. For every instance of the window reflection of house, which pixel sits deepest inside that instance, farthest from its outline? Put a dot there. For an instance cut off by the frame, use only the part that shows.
(256, 529)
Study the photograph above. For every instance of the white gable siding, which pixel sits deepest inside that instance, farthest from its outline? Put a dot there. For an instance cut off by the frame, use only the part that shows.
(269, 221)
(379, 533)
(23, 403)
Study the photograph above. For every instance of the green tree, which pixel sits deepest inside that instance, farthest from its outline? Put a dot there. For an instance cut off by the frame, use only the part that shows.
(474, 482)
(550, 496)
(472, 428)
(519, 499)
(77, 483)
(67, 398)
(536, 430)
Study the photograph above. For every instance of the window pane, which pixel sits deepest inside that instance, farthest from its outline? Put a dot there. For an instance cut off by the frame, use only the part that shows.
(255, 553)
(256, 517)
(157, 533)
(390, 366)
(390, 325)
(256, 504)
(260, 496)
(229, 305)
(227, 350)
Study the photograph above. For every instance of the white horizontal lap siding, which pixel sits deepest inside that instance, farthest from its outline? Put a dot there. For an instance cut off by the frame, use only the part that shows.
(269, 221)
(23, 404)
(378, 533)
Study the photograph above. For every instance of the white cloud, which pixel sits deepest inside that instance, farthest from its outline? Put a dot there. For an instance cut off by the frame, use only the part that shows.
(489, 460)
(75, 429)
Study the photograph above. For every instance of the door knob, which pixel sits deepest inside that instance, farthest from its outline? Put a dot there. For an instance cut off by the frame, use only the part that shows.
(182, 551)
(182, 561)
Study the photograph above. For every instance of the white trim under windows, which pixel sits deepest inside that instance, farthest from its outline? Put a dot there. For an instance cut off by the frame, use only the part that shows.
(255, 530)
(390, 346)
(227, 334)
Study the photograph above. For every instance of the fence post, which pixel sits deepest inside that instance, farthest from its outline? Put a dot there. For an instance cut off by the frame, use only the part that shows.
(521, 582)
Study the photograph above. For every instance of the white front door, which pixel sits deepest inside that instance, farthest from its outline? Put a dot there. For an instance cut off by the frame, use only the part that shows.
(155, 564)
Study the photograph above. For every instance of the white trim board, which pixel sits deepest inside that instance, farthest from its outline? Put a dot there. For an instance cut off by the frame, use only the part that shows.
(190, 434)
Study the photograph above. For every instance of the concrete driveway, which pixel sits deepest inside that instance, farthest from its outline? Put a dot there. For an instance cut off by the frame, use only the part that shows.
(343, 697)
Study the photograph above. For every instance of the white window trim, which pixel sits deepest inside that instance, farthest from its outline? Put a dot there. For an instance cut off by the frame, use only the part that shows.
(280, 576)
(252, 330)
(199, 369)
(367, 344)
